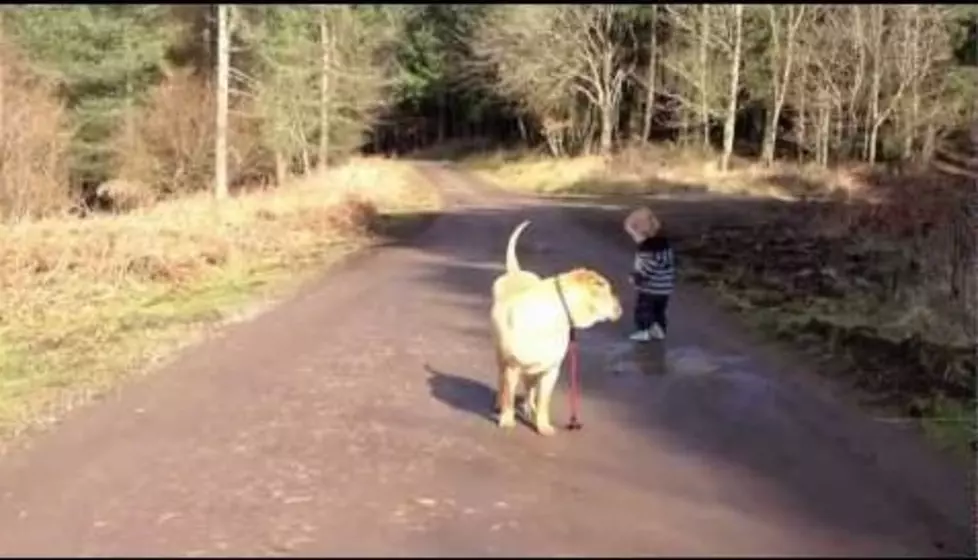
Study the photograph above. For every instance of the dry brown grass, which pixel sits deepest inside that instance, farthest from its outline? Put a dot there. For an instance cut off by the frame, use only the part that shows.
(33, 143)
(659, 169)
(170, 145)
(83, 302)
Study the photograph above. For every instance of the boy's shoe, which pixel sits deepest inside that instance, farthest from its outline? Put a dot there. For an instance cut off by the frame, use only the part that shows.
(656, 333)
(641, 336)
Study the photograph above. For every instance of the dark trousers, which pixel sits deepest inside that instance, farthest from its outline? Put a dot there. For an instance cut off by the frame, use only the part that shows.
(650, 309)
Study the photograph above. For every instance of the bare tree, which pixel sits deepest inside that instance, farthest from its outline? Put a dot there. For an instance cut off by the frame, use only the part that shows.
(223, 71)
(911, 60)
(650, 75)
(697, 66)
(704, 42)
(326, 49)
(801, 101)
(729, 125)
(890, 82)
(318, 76)
(826, 66)
(784, 22)
(554, 57)
(606, 70)
(857, 39)
(932, 96)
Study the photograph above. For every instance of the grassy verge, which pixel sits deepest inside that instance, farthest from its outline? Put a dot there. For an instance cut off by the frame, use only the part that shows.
(661, 169)
(86, 303)
(812, 275)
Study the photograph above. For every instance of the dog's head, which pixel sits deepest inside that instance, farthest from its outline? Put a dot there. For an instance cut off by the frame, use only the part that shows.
(592, 299)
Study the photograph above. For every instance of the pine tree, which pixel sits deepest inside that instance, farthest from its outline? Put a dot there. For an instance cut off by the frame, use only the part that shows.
(105, 58)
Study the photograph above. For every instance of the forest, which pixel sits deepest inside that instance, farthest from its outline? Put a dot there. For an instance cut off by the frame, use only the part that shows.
(105, 102)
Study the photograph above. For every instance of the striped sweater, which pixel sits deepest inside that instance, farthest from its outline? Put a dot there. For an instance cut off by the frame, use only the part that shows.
(654, 271)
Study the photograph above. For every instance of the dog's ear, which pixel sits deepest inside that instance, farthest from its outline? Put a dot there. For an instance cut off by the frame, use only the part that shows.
(589, 280)
(596, 298)
(595, 286)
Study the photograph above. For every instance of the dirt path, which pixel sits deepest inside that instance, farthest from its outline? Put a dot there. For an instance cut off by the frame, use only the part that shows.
(354, 419)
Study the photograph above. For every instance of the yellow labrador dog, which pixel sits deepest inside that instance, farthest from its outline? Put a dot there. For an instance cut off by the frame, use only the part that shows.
(531, 322)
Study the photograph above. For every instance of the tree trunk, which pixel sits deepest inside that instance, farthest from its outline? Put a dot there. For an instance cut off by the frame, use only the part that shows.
(729, 127)
(607, 129)
(522, 129)
(704, 93)
(650, 78)
(910, 131)
(929, 144)
(780, 84)
(874, 133)
(325, 47)
(840, 132)
(552, 144)
(824, 134)
(281, 168)
(967, 233)
(852, 144)
(817, 135)
(207, 32)
(777, 85)
(685, 134)
(442, 121)
(876, 24)
(802, 115)
(821, 132)
(221, 132)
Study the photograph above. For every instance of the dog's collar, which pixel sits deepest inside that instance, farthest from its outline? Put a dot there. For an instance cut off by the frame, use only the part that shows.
(563, 303)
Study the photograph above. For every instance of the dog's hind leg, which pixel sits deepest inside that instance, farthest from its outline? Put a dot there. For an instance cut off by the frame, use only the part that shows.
(500, 383)
(545, 390)
(530, 382)
(510, 378)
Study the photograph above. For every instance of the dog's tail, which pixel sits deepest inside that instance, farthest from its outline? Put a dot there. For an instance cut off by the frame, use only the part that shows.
(512, 263)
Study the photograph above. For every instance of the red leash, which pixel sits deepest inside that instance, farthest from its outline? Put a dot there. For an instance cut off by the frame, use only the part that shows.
(574, 395)
(573, 424)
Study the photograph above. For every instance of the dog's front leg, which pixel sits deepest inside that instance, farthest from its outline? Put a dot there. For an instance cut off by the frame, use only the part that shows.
(500, 382)
(545, 390)
(507, 390)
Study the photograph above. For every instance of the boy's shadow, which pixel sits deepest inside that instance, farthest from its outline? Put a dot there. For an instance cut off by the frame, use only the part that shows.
(467, 395)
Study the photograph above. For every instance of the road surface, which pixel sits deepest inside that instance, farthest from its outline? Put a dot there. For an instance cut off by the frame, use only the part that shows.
(355, 419)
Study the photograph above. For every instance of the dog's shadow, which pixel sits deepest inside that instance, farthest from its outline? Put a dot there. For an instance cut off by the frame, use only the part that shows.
(467, 395)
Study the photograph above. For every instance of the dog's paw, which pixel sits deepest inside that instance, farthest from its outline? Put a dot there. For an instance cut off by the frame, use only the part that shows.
(507, 420)
(546, 429)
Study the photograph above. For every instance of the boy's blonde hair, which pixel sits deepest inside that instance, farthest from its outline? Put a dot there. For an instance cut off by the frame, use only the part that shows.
(642, 223)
